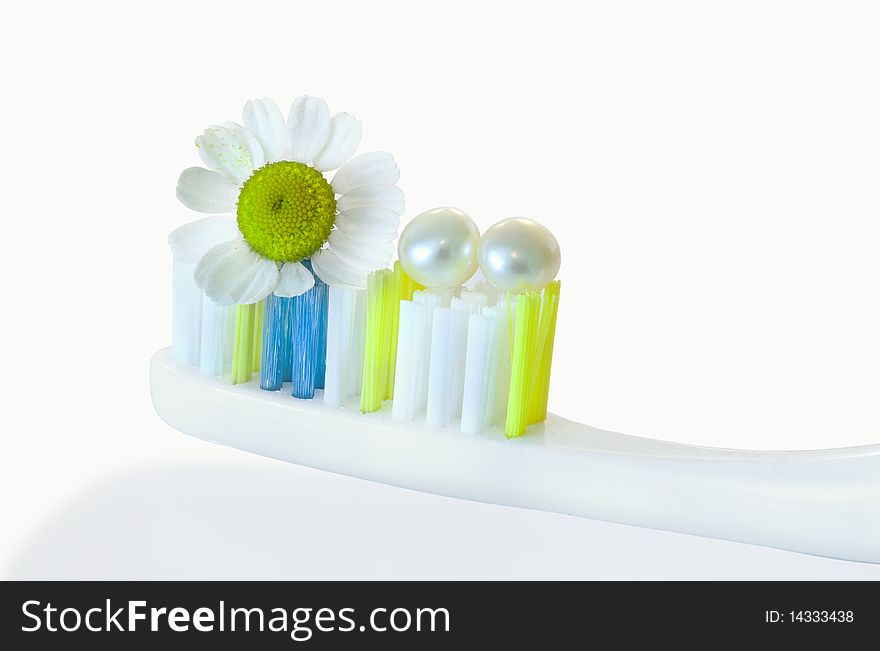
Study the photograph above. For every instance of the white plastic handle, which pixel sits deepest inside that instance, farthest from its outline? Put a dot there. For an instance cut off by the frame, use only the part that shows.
(823, 502)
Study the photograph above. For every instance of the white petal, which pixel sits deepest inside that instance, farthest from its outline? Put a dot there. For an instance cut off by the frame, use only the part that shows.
(264, 119)
(206, 191)
(367, 237)
(359, 254)
(389, 197)
(295, 279)
(251, 142)
(368, 221)
(230, 152)
(191, 241)
(308, 127)
(254, 287)
(211, 274)
(334, 271)
(232, 273)
(345, 136)
(367, 169)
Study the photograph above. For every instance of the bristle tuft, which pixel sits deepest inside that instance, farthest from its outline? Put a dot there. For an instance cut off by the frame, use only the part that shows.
(218, 334)
(525, 333)
(306, 340)
(277, 343)
(487, 370)
(404, 288)
(345, 342)
(447, 366)
(321, 368)
(544, 353)
(532, 352)
(246, 345)
(186, 311)
(381, 299)
(414, 354)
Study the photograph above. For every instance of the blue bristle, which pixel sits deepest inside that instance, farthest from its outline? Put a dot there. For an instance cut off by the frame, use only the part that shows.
(295, 341)
(288, 337)
(321, 368)
(306, 320)
(277, 341)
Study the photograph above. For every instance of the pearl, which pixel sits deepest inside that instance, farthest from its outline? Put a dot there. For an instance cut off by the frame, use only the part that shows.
(519, 255)
(439, 248)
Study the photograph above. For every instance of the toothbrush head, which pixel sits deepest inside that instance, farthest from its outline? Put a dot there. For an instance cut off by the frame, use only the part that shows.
(296, 288)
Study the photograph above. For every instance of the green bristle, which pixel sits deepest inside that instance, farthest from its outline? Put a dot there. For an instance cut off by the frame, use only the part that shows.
(544, 352)
(246, 348)
(525, 335)
(403, 289)
(241, 350)
(534, 333)
(257, 336)
(377, 339)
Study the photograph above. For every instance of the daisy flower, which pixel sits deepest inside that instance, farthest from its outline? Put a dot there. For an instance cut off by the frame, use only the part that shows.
(271, 174)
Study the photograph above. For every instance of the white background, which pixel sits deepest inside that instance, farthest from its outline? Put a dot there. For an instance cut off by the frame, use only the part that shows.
(710, 169)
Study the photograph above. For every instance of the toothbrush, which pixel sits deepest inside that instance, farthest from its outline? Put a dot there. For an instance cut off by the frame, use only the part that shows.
(294, 337)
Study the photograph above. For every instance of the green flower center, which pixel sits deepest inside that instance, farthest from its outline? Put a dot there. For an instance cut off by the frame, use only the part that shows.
(286, 211)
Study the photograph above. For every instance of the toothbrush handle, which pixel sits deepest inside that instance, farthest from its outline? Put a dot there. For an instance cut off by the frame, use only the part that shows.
(824, 502)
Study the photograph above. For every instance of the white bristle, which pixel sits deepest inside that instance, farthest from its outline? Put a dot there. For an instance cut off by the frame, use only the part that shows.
(439, 399)
(218, 336)
(186, 319)
(340, 315)
(498, 382)
(446, 375)
(487, 370)
(410, 327)
(359, 326)
(465, 308)
(414, 354)
(430, 300)
(475, 401)
(345, 345)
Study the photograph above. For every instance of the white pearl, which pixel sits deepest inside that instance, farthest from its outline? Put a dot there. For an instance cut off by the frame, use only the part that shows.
(439, 248)
(519, 255)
